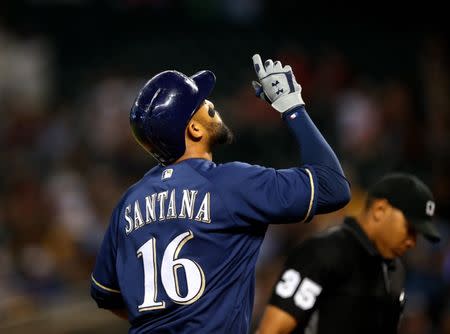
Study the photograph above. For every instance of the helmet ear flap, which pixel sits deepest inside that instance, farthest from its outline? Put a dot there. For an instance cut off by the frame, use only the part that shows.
(163, 108)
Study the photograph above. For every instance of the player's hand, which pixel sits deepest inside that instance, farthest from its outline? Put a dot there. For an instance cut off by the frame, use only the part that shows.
(276, 84)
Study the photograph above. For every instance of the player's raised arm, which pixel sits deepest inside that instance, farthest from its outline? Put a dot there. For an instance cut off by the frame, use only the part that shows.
(277, 85)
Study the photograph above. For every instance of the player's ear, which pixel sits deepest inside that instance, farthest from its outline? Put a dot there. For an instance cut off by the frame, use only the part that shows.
(194, 130)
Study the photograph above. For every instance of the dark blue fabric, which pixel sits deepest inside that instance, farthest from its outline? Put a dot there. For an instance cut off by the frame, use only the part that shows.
(244, 199)
(314, 149)
(333, 190)
(219, 237)
(332, 187)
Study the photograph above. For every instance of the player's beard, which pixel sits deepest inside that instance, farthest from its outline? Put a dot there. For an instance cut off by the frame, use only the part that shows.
(220, 134)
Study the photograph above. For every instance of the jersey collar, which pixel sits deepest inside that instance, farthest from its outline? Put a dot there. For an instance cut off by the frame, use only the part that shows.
(356, 230)
(351, 224)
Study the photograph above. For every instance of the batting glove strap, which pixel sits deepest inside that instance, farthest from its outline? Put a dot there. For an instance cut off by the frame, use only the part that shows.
(288, 102)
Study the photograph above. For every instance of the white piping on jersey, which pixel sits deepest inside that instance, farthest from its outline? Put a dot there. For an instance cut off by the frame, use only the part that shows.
(102, 286)
(311, 181)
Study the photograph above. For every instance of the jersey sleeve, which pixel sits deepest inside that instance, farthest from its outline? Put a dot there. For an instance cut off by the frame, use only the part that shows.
(257, 194)
(104, 283)
(309, 272)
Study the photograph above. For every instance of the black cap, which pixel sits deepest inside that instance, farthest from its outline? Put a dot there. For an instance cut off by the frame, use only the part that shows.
(411, 196)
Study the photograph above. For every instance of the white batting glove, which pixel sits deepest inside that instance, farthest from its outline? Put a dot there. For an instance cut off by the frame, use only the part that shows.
(276, 84)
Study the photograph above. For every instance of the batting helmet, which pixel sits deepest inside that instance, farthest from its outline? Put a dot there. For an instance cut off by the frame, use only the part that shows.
(163, 108)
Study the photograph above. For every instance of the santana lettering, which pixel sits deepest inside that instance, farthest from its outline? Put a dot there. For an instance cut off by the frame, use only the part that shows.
(163, 206)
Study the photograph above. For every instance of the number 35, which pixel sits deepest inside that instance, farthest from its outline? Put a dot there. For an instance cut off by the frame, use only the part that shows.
(307, 290)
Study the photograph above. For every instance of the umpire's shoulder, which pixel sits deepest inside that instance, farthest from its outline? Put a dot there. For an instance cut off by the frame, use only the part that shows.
(329, 237)
(329, 245)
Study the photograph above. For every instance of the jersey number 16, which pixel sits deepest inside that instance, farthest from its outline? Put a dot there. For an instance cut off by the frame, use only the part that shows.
(195, 278)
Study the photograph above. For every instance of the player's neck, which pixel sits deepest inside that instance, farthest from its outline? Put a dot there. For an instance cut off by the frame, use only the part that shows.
(363, 221)
(193, 153)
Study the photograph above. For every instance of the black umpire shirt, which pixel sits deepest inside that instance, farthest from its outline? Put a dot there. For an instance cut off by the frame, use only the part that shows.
(336, 282)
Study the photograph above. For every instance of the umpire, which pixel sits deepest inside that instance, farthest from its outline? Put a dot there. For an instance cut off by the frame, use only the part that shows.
(349, 278)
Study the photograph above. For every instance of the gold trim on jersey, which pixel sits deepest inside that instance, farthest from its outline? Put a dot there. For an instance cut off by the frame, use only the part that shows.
(311, 181)
(102, 286)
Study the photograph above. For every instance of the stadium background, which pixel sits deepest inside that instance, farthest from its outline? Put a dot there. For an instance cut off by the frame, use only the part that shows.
(375, 79)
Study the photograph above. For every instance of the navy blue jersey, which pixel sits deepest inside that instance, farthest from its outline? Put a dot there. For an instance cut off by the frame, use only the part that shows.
(180, 251)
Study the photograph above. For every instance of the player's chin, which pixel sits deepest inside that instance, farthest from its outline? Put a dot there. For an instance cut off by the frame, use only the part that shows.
(397, 253)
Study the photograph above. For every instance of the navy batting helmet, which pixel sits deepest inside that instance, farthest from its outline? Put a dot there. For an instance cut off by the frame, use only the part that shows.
(163, 108)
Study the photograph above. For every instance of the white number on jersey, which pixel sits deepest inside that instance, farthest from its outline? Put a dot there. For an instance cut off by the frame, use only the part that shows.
(305, 291)
(195, 278)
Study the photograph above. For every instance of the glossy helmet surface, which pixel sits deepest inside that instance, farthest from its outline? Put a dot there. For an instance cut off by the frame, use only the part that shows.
(163, 108)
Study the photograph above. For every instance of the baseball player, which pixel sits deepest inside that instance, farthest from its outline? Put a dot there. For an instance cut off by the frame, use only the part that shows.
(349, 279)
(179, 253)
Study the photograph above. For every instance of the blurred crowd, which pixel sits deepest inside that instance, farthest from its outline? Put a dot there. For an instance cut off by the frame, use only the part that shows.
(65, 162)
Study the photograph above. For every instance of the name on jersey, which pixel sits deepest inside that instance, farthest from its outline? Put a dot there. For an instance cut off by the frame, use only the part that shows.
(162, 206)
